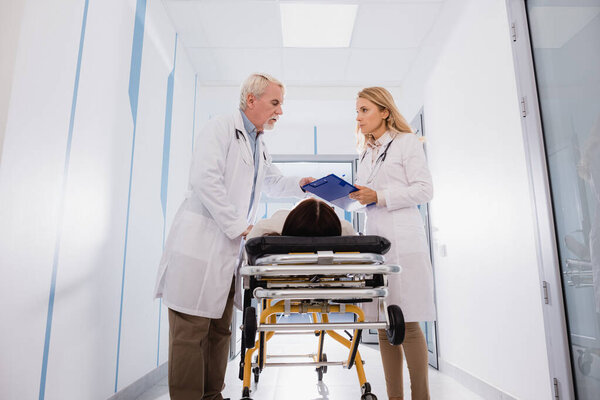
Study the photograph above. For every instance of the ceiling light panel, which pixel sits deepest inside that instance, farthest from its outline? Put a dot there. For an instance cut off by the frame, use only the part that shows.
(317, 25)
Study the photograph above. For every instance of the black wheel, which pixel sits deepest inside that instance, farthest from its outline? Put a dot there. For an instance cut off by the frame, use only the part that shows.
(324, 359)
(396, 330)
(320, 373)
(249, 327)
(366, 388)
(256, 373)
(366, 392)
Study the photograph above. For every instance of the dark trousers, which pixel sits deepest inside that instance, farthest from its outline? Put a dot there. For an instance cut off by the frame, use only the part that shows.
(198, 354)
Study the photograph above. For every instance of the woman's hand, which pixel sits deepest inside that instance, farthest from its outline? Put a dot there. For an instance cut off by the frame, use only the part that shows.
(364, 195)
(306, 180)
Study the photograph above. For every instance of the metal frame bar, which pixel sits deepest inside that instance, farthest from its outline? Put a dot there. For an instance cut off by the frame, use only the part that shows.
(317, 269)
(557, 343)
(329, 257)
(322, 294)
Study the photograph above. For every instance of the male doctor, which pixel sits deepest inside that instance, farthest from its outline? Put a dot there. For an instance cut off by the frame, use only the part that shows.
(230, 168)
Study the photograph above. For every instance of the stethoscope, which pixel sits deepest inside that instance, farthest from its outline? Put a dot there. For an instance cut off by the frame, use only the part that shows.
(239, 134)
(380, 159)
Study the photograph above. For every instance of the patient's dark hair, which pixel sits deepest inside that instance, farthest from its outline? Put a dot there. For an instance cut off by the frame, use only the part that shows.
(312, 217)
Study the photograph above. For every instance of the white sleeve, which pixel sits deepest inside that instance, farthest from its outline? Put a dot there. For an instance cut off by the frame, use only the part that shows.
(420, 187)
(277, 185)
(207, 178)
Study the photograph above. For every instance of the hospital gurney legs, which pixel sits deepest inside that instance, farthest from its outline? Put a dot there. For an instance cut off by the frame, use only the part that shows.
(268, 327)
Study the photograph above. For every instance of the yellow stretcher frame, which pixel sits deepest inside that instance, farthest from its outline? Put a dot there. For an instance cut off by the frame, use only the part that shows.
(272, 310)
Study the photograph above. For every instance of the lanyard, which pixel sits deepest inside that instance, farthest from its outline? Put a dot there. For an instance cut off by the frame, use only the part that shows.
(380, 159)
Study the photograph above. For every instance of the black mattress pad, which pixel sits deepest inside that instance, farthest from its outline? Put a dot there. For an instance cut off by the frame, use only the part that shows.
(264, 245)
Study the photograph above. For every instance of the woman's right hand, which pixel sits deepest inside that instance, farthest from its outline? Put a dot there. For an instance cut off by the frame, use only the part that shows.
(364, 195)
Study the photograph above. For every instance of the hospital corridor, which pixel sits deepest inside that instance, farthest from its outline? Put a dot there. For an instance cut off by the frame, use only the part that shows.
(300, 200)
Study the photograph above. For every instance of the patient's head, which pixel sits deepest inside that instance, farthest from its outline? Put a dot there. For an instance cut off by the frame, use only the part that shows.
(312, 217)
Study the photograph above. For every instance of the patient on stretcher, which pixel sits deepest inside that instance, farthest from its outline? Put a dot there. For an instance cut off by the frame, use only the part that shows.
(311, 217)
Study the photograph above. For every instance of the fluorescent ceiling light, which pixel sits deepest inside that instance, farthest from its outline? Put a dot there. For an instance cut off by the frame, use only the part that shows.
(317, 25)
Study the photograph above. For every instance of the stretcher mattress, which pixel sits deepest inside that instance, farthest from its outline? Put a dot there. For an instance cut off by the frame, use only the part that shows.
(261, 246)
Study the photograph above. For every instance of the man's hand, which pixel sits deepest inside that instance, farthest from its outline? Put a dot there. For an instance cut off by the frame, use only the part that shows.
(364, 195)
(247, 231)
(306, 180)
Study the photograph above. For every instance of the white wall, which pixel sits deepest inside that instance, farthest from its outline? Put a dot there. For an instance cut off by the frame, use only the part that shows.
(488, 289)
(10, 25)
(331, 109)
(74, 211)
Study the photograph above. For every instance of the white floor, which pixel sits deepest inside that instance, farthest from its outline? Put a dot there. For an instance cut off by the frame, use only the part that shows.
(300, 383)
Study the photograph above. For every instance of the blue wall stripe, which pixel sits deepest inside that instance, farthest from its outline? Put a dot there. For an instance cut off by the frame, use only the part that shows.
(134, 89)
(164, 180)
(348, 216)
(194, 120)
(61, 210)
(315, 139)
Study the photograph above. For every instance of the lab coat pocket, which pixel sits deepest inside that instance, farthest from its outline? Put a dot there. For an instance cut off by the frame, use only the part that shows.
(267, 159)
(195, 235)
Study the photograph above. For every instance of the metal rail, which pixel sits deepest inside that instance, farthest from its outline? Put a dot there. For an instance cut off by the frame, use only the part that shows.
(321, 294)
(331, 326)
(316, 269)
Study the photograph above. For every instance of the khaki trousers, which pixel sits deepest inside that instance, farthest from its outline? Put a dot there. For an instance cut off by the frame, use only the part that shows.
(198, 354)
(415, 349)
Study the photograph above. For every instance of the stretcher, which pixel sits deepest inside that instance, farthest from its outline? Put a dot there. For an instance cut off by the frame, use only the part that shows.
(315, 276)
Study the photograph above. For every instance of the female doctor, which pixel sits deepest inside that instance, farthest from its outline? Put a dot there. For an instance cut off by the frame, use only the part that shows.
(393, 174)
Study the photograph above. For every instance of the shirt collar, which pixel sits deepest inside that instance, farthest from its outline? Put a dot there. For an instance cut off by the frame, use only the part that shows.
(382, 141)
(249, 126)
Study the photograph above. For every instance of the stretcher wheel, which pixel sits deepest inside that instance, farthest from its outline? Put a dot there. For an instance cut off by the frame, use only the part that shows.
(366, 392)
(396, 330)
(323, 368)
(256, 373)
(249, 327)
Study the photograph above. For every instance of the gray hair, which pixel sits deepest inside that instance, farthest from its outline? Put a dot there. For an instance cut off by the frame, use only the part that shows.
(256, 84)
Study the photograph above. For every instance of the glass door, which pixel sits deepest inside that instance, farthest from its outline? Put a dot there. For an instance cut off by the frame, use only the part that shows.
(565, 40)
(429, 328)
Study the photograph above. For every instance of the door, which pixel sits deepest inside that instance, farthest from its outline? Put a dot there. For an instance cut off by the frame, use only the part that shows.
(565, 42)
(429, 328)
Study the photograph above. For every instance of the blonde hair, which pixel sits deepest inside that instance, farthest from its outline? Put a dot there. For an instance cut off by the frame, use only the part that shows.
(382, 98)
(256, 84)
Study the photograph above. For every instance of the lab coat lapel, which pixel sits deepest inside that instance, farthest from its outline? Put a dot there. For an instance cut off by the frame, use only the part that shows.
(239, 125)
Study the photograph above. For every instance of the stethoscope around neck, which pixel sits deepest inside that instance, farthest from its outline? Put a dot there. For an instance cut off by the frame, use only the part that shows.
(239, 134)
(380, 159)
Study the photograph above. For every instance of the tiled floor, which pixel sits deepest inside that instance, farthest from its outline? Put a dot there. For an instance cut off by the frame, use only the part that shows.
(300, 383)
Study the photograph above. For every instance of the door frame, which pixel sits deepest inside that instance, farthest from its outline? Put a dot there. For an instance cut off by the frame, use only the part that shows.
(553, 306)
(418, 124)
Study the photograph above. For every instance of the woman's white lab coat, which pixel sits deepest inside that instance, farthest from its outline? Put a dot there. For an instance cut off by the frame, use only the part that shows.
(403, 179)
(203, 247)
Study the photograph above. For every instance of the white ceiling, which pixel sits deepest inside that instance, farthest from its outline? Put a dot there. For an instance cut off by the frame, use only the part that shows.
(229, 39)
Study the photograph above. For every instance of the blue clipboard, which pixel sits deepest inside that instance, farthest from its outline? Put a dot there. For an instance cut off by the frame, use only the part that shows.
(335, 190)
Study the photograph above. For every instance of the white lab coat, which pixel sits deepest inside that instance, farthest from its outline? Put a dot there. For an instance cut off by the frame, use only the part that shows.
(203, 247)
(404, 180)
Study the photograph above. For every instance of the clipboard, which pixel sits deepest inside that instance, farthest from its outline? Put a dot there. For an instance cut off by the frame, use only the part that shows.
(335, 190)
